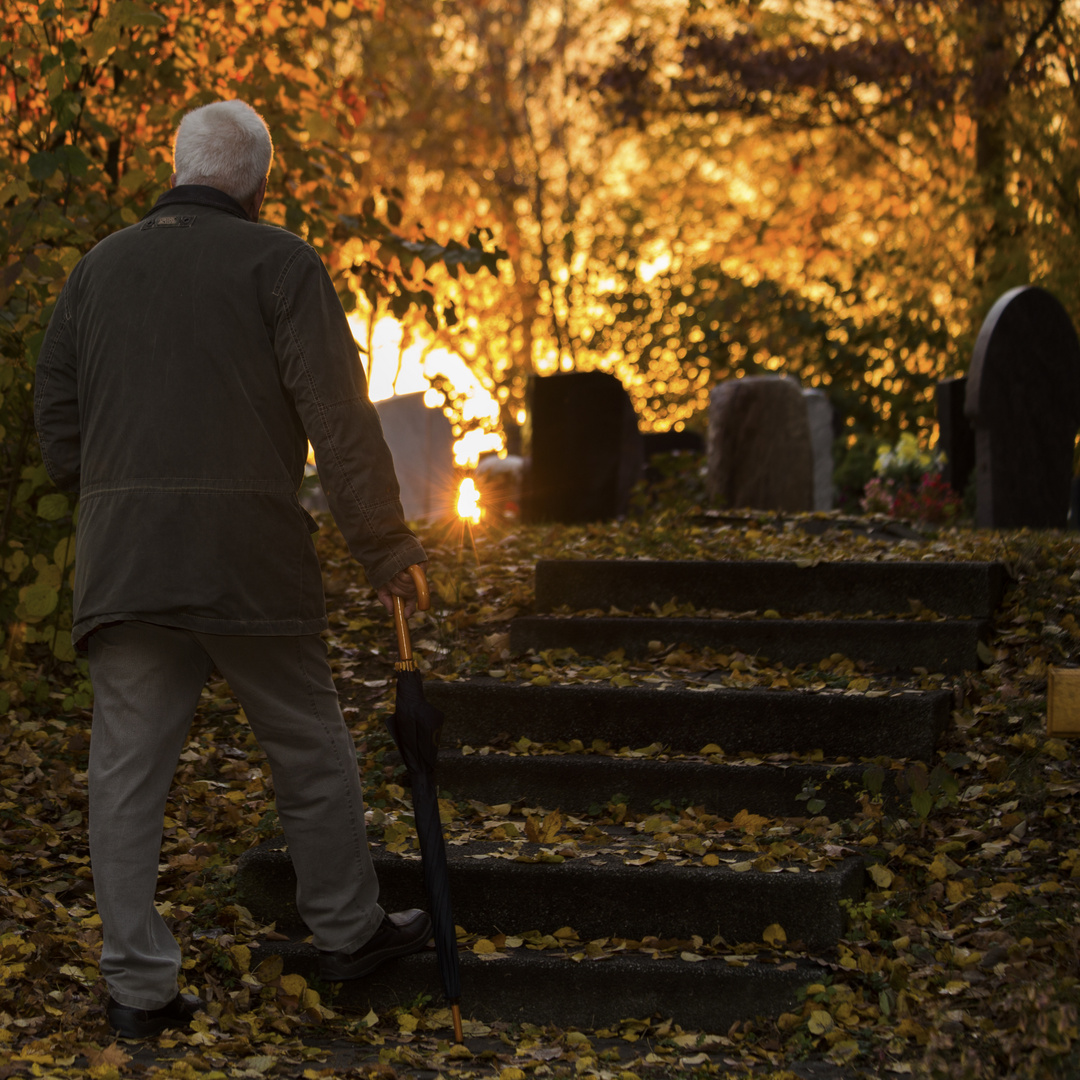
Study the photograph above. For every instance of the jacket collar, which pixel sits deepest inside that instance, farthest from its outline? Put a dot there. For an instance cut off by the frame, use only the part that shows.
(200, 195)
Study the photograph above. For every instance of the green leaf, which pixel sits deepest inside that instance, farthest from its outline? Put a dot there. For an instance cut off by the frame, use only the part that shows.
(873, 779)
(43, 165)
(922, 803)
(102, 41)
(53, 507)
(39, 600)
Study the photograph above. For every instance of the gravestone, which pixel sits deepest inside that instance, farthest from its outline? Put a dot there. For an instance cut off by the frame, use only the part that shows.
(1023, 399)
(582, 447)
(422, 444)
(760, 452)
(956, 436)
(819, 415)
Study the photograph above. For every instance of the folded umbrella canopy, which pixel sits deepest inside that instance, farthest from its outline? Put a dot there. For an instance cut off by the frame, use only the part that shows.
(416, 728)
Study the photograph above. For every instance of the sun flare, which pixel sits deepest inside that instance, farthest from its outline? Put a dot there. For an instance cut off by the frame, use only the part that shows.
(468, 503)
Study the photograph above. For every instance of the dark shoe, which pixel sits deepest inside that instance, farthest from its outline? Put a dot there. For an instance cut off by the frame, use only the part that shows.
(131, 1023)
(401, 933)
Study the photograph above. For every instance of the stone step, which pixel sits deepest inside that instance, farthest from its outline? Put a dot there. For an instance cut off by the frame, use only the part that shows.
(903, 724)
(891, 645)
(757, 585)
(597, 895)
(541, 988)
(576, 783)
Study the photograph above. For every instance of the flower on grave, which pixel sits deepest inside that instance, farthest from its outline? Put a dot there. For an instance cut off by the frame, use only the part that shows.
(909, 485)
(906, 462)
(933, 502)
(878, 496)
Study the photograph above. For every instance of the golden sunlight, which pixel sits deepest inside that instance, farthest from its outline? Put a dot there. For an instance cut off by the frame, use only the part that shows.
(408, 364)
(468, 503)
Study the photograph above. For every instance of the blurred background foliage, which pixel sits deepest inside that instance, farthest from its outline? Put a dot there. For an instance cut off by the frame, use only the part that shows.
(683, 190)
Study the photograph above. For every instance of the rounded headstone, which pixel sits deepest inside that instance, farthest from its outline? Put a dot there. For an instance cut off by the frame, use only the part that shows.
(760, 452)
(1023, 399)
(422, 444)
(584, 448)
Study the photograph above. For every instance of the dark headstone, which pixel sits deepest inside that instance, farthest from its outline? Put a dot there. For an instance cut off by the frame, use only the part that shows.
(760, 452)
(583, 448)
(956, 436)
(1023, 399)
(422, 444)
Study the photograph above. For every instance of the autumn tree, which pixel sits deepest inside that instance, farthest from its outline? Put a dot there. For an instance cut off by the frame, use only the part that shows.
(908, 162)
(701, 190)
(93, 90)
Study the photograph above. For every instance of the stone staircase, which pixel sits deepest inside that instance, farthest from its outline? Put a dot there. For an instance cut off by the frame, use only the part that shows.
(556, 920)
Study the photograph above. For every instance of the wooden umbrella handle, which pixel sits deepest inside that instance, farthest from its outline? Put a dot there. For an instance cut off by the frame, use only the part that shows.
(401, 624)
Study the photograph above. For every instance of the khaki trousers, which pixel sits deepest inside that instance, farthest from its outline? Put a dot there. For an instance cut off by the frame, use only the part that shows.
(147, 680)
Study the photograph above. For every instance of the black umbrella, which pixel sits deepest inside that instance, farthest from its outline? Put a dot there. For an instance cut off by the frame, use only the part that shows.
(416, 728)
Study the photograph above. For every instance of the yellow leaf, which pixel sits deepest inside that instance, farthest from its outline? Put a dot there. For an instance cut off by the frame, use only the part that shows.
(293, 985)
(1056, 749)
(269, 969)
(938, 869)
(407, 1022)
(112, 1055)
(774, 935)
(844, 1050)
(882, 875)
(550, 826)
(512, 1073)
(958, 890)
(484, 946)
(820, 1022)
(751, 823)
(711, 860)
(956, 986)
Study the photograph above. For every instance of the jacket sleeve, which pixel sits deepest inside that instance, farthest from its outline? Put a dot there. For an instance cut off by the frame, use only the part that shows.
(320, 367)
(56, 395)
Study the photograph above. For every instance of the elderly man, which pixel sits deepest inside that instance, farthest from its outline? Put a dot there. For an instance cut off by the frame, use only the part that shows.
(188, 362)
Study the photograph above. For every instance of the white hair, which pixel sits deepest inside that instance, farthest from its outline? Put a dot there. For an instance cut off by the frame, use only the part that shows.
(225, 145)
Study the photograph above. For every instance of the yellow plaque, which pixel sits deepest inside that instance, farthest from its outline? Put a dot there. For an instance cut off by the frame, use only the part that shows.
(1063, 701)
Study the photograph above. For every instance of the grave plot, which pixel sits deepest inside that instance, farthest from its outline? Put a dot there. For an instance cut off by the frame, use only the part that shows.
(714, 900)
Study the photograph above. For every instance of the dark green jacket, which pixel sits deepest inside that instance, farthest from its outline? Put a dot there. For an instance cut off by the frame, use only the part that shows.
(188, 361)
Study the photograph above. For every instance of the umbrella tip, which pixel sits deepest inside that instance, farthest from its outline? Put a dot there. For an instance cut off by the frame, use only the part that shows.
(456, 1010)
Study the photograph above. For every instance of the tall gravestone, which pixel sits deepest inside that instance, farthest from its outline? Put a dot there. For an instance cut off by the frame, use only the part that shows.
(422, 444)
(1023, 399)
(819, 415)
(956, 436)
(760, 451)
(582, 447)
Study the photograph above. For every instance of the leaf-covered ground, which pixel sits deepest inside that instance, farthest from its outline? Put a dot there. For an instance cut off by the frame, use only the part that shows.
(960, 961)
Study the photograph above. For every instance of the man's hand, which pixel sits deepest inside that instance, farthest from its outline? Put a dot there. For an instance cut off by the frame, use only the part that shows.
(401, 584)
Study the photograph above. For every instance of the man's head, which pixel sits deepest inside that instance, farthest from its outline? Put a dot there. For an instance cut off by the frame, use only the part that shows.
(225, 145)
